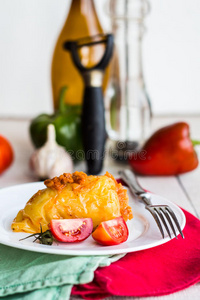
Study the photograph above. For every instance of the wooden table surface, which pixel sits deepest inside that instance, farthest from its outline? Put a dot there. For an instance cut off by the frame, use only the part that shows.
(183, 190)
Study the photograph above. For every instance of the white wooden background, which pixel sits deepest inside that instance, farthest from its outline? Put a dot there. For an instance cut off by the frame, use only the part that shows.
(183, 190)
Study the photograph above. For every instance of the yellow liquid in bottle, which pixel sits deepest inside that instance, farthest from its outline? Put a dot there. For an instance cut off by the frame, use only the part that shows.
(82, 21)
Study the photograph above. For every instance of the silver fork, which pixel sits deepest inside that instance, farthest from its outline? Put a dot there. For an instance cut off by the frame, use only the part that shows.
(162, 214)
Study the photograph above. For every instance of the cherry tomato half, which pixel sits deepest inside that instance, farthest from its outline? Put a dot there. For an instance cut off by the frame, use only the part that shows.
(71, 230)
(112, 232)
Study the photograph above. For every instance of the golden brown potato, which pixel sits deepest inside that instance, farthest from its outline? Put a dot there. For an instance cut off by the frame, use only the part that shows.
(72, 196)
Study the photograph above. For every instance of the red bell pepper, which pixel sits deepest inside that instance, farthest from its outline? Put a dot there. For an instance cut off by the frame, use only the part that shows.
(169, 151)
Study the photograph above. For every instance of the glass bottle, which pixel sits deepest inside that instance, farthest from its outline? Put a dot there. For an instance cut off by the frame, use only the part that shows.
(82, 21)
(128, 108)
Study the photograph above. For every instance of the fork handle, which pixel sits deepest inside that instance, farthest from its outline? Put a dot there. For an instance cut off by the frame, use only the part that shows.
(131, 180)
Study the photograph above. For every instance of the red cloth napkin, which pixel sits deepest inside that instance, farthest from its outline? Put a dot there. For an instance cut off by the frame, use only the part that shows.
(157, 271)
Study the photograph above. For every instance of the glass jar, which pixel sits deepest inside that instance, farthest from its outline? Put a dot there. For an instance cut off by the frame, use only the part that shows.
(128, 109)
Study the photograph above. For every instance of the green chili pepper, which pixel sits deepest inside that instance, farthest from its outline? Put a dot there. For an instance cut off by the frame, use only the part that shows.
(67, 122)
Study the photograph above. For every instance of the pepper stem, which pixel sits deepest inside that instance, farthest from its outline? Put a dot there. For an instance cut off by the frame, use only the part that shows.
(62, 106)
(66, 108)
(195, 143)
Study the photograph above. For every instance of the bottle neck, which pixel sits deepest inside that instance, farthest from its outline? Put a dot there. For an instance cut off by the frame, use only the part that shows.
(82, 20)
(82, 7)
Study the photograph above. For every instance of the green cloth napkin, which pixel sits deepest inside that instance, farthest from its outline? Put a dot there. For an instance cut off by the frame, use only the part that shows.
(31, 276)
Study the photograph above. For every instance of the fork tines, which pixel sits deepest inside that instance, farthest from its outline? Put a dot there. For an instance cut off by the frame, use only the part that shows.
(165, 214)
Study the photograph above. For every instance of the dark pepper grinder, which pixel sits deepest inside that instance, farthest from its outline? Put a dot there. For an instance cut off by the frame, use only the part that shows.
(93, 119)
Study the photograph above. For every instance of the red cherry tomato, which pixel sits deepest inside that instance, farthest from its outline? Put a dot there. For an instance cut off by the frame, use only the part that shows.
(71, 230)
(112, 232)
(6, 154)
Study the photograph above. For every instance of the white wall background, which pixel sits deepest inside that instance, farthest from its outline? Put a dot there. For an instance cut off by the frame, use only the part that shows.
(28, 33)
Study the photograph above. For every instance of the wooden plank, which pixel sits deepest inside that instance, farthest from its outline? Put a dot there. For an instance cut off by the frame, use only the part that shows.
(169, 188)
(191, 185)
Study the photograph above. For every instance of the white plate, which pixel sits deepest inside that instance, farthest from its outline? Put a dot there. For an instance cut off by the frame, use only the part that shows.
(143, 231)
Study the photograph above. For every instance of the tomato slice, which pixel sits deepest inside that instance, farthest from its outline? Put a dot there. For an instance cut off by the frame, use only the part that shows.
(71, 230)
(112, 232)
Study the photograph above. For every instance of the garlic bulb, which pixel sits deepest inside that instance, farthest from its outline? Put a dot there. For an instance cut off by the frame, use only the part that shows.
(51, 160)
